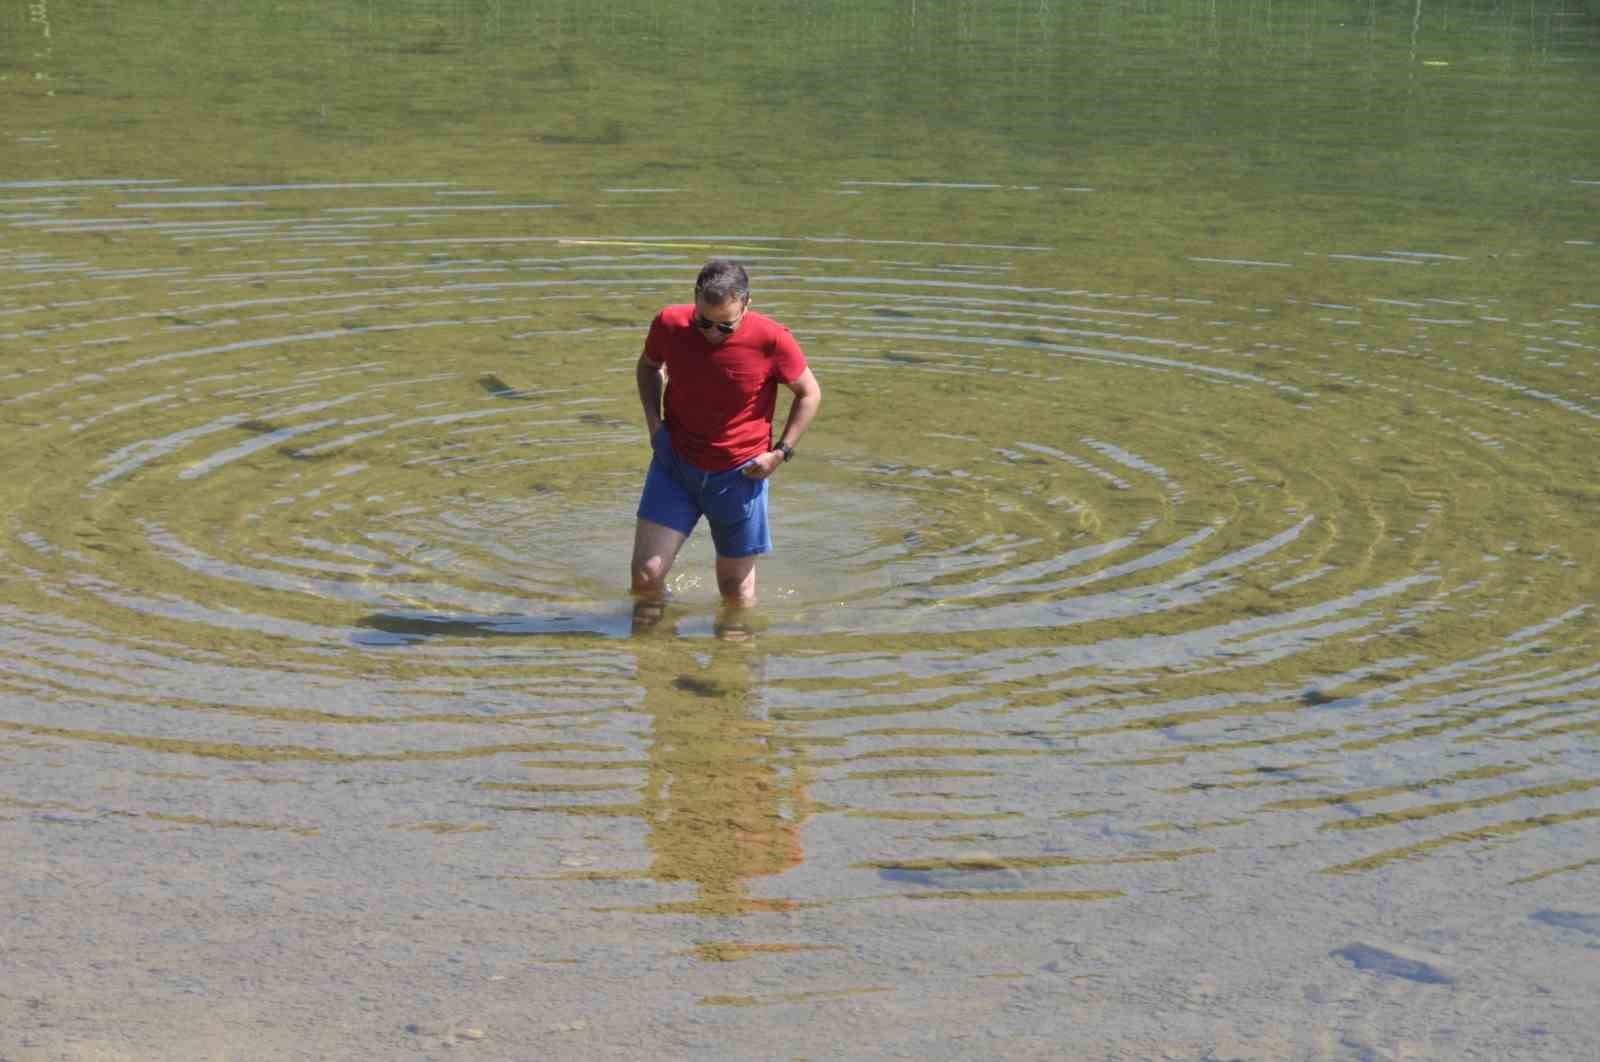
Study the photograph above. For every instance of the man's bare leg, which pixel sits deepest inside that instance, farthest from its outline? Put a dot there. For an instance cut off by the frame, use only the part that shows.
(736, 578)
(655, 547)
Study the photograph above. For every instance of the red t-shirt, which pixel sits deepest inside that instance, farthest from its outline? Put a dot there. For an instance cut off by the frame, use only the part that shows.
(720, 397)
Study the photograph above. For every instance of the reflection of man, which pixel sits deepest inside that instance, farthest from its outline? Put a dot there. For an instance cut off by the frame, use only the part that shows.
(726, 790)
(723, 804)
(718, 364)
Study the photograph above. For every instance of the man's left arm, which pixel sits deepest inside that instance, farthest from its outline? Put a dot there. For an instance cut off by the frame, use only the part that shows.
(807, 400)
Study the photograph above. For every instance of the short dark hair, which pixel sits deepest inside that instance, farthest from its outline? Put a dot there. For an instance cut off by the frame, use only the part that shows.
(722, 279)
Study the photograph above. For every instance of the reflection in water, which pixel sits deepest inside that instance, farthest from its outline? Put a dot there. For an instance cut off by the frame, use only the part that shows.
(725, 797)
(725, 790)
(1201, 563)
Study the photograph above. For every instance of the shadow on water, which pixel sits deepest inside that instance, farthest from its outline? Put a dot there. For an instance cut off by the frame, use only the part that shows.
(498, 388)
(410, 628)
(403, 627)
(1382, 963)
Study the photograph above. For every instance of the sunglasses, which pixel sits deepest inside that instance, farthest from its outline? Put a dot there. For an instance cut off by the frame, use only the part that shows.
(702, 322)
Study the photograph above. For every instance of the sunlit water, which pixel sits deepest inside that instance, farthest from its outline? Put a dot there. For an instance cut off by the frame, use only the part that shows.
(1182, 635)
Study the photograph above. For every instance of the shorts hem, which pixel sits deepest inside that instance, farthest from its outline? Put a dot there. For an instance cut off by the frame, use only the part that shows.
(747, 553)
(685, 531)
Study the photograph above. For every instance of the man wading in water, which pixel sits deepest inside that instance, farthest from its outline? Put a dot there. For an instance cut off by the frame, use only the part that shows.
(718, 363)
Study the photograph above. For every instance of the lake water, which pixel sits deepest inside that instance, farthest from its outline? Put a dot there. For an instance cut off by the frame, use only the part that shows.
(1182, 638)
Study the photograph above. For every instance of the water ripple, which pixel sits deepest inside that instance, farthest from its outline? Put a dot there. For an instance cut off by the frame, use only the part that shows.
(345, 491)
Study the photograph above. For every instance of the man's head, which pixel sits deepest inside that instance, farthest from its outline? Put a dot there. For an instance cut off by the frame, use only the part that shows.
(722, 279)
(721, 294)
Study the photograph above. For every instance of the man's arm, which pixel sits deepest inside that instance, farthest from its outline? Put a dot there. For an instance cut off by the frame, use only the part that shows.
(807, 400)
(650, 377)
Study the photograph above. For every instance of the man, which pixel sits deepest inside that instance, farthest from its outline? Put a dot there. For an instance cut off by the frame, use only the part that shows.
(718, 365)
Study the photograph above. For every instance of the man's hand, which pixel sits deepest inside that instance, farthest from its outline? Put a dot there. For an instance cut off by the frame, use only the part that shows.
(765, 465)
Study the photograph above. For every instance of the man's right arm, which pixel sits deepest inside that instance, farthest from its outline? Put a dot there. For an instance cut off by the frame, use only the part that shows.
(651, 378)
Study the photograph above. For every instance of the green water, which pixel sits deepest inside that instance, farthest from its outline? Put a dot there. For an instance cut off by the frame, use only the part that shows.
(1181, 638)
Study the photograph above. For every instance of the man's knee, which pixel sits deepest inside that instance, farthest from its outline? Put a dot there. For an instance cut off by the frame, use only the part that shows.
(655, 547)
(738, 588)
(650, 575)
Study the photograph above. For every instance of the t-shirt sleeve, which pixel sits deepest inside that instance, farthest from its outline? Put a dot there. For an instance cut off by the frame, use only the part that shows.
(789, 359)
(655, 343)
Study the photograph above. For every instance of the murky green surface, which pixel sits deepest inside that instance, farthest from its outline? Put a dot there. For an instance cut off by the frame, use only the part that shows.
(1182, 637)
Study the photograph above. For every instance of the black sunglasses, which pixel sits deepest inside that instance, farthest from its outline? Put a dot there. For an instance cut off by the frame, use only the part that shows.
(702, 322)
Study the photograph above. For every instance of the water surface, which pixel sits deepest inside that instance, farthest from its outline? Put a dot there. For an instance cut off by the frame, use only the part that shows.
(1182, 635)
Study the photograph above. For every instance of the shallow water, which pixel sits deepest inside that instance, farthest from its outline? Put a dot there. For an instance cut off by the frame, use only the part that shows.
(1182, 635)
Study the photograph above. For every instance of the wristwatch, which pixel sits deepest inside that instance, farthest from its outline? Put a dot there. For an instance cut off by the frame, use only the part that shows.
(788, 451)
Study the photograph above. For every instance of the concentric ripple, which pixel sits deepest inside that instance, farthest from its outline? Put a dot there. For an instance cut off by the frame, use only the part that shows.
(317, 482)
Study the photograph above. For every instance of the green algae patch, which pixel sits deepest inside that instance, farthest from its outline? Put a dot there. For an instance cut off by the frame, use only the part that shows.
(1190, 827)
(913, 731)
(912, 772)
(1390, 818)
(717, 906)
(941, 752)
(792, 997)
(585, 765)
(231, 824)
(221, 750)
(1362, 795)
(1021, 895)
(738, 951)
(553, 787)
(934, 816)
(1553, 871)
(1495, 832)
(987, 861)
(607, 811)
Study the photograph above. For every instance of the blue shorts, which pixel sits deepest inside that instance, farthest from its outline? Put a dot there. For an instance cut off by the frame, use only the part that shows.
(676, 494)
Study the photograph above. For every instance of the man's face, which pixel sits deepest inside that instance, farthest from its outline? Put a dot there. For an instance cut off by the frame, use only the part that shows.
(709, 315)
